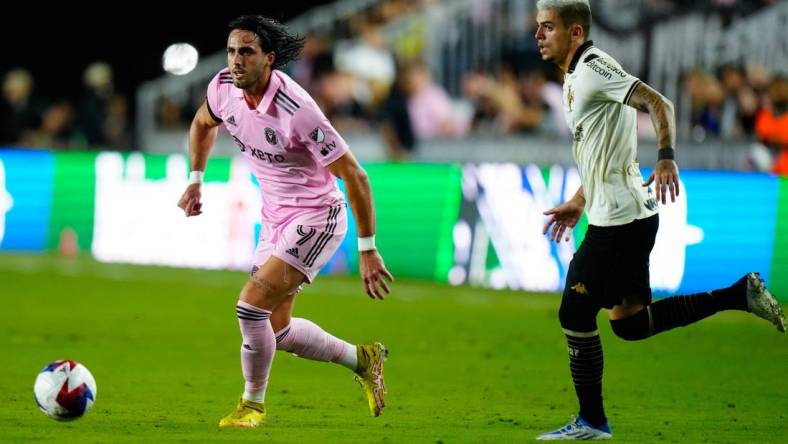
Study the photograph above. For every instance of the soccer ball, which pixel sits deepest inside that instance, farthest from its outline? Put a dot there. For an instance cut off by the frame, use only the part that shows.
(65, 390)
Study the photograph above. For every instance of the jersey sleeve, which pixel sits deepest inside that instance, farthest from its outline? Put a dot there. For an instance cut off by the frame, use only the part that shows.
(216, 96)
(315, 132)
(608, 80)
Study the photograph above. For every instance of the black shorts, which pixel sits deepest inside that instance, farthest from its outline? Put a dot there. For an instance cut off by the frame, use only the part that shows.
(612, 264)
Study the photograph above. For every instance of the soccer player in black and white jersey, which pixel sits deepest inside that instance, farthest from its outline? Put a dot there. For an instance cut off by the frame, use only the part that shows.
(611, 268)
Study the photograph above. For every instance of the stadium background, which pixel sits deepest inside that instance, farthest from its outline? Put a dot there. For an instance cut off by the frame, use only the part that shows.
(457, 122)
(466, 191)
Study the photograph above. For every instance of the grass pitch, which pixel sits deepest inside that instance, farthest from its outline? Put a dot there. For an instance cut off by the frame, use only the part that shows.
(466, 365)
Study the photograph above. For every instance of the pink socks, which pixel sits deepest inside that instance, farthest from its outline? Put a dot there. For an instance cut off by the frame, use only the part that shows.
(257, 351)
(307, 340)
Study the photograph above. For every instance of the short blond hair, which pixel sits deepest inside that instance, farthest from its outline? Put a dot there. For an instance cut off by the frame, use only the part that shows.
(571, 12)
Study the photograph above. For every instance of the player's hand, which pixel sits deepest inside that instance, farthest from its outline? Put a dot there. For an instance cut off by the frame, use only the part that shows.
(666, 173)
(190, 200)
(562, 219)
(374, 274)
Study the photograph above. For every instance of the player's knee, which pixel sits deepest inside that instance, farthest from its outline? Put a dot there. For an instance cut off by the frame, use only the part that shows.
(261, 293)
(564, 315)
(277, 323)
(633, 328)
(280, 318)
(281, 334)
(576, 317)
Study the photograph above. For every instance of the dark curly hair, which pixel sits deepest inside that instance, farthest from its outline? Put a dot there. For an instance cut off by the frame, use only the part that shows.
(272, 36)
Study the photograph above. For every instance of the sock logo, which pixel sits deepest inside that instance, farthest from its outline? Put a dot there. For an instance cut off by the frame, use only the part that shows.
(293, 252)
(246, 346)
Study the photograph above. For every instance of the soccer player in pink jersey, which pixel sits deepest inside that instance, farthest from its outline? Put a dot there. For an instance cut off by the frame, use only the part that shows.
(296, 155)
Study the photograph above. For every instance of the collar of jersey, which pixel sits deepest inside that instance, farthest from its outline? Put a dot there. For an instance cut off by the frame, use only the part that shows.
(273, 85)
(579, 53)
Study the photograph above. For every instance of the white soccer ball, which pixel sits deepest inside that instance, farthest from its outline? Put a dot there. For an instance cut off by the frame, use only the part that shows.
(180, 58)
(65, 390)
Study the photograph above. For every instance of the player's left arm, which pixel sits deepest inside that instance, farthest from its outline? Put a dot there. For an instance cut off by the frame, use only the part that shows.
(646, 99)
(373, 270)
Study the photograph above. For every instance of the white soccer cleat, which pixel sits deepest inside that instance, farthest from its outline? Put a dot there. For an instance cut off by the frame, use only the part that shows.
(578, 430)
(761, 303)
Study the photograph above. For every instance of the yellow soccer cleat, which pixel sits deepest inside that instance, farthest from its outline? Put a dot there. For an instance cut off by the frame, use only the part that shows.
(247, 414)
(370, 374)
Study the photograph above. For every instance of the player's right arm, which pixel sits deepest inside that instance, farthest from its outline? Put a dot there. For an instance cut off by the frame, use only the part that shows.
(202, 135)
(611, 83)
(371, 267)
(646, 99)
(565, 216)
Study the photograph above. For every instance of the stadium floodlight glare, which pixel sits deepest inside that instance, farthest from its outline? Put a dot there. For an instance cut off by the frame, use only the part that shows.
(180, 58)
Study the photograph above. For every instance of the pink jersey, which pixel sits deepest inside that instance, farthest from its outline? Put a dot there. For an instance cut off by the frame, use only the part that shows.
(287, 141)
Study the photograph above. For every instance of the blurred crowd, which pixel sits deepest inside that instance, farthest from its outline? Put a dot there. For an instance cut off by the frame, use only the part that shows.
(742, 103)
(98, 119)
(368, 82)
(367, 79)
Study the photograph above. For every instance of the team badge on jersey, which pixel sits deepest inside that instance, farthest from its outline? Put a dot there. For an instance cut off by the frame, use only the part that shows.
(270, 136)
(317, 135)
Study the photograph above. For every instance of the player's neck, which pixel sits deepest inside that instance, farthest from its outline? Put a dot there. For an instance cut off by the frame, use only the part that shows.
(570, 55)
(254, 94)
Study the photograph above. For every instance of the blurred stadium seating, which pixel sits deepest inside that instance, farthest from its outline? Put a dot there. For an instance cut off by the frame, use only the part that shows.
(472, 66)
(377, 68)
(458, 88)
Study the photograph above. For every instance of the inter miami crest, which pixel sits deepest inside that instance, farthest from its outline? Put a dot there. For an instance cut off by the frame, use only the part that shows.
(317, 135)
(270, 136)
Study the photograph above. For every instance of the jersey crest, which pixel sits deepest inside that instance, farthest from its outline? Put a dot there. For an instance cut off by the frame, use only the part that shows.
(270, 136)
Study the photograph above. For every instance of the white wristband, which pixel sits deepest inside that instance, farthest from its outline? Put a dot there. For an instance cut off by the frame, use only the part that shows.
(366, 243)
(196, 177)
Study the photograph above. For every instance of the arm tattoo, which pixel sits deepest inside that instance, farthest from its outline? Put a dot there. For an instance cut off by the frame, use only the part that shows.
(644, 98)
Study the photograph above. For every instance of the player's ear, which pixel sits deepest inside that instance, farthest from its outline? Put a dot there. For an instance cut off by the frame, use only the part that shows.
(577, 32)
(270, 56)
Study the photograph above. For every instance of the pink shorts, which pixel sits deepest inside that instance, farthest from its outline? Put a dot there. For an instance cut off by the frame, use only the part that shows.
(306, 241)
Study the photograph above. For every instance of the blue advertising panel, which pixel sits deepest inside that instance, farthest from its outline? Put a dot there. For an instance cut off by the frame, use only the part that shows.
(25, 199)
(736, 214)
(481, 223)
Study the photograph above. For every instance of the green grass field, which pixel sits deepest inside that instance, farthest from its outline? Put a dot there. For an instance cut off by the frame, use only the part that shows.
(466, 365)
